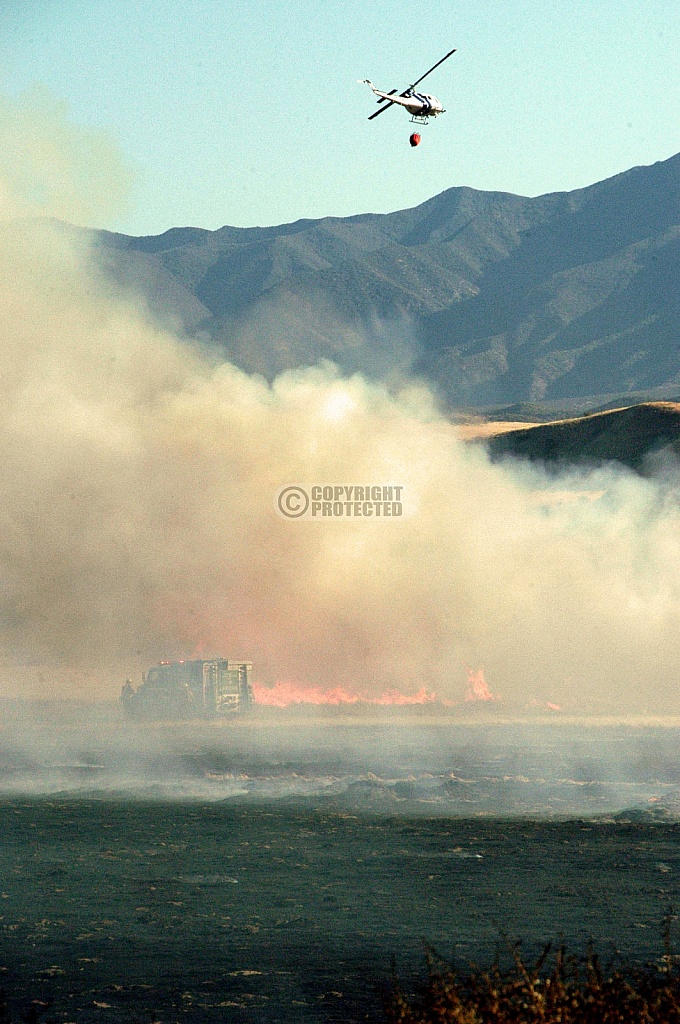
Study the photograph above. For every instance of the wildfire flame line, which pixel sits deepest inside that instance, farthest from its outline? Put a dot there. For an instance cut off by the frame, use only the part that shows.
(282, 694)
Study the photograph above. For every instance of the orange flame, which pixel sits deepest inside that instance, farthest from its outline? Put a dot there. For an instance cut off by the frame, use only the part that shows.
(477, 687)
(281, 695)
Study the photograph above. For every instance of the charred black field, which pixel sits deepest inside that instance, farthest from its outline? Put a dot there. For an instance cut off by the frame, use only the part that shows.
(280, 880)
(165, 912)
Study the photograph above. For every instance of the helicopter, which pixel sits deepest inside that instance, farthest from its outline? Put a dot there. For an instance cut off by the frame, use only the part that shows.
(420, 105)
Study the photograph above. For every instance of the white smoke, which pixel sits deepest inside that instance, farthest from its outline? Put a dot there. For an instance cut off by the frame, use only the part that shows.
(137, 478)
(52, 167)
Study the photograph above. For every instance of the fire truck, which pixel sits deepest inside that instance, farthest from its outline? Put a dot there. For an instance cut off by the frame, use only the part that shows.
(190, 689)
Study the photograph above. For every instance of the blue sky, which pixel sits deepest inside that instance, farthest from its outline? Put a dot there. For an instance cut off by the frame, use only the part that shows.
(250, 113)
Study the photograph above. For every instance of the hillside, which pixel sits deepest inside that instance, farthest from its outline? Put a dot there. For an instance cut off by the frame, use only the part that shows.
(639, 437)
(495, 298)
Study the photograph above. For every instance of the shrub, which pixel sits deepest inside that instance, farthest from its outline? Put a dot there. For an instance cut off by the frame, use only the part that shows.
(557, 989)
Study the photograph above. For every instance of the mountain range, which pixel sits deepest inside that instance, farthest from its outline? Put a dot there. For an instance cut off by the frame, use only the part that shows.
(493, 298)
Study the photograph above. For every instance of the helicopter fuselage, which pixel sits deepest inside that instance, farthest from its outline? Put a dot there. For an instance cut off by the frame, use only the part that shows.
(418, 104)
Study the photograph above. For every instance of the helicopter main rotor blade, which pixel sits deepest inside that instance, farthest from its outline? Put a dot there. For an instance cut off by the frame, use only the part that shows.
(432, 69)
(382, 109)
(391, 93)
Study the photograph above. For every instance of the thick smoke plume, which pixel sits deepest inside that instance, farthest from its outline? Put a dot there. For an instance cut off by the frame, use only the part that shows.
(137, 481)
(136, 493)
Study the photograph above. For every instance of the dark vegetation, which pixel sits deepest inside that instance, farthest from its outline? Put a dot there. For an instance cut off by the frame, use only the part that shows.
(495, 298)
(641, 437)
